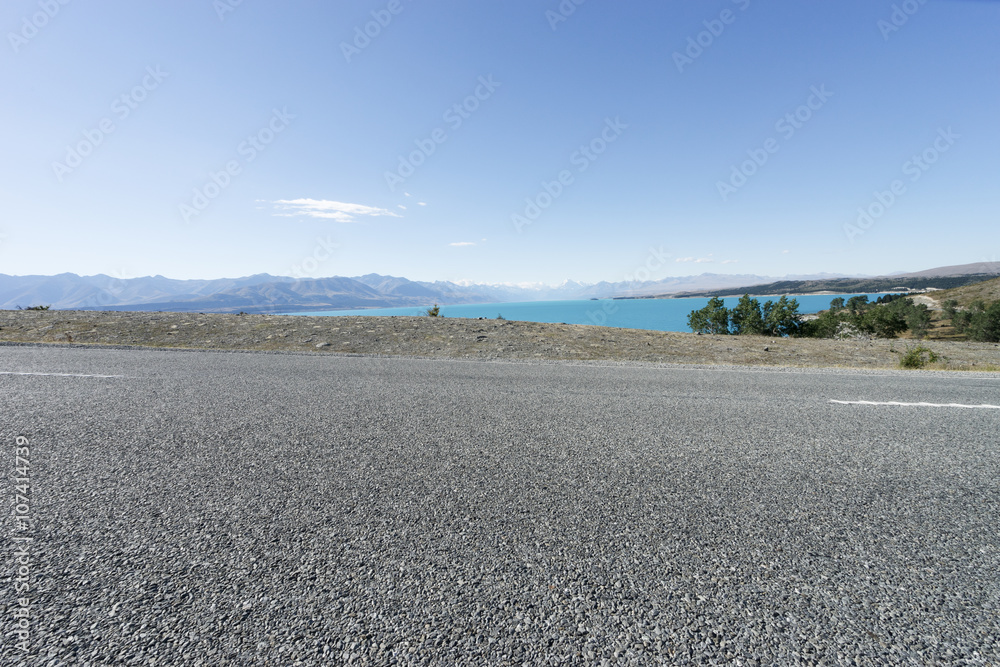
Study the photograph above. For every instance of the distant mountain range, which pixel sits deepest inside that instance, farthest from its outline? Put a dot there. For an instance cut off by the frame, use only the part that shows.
(264, 293)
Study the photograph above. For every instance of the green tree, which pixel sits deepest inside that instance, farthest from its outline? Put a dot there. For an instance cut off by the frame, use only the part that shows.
(981, 322)
(782, 318)
(746, 317)
(961, 319)
(827, 323)
(712, 319)
(918, 319)
(824, 326)
(964, 320)
(881, 322)
(858, 303)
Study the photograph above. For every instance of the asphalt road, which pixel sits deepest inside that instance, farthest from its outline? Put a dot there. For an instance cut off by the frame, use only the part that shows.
(226, 508)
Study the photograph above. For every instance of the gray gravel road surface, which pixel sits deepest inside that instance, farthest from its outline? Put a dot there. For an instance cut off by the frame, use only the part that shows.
(283, 509)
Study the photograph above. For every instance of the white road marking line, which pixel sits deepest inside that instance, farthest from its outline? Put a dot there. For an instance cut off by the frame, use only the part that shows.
(62, 375)
(919, 405)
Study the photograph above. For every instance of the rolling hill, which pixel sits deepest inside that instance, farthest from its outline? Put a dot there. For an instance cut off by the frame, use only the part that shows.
(942, 278)
(987, 290)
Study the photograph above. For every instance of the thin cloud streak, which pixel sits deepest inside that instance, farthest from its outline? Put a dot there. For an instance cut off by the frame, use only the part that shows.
(329, 210)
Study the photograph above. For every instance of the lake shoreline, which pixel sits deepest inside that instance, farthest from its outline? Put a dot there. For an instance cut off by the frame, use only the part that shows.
(438, 337)
(642, 314)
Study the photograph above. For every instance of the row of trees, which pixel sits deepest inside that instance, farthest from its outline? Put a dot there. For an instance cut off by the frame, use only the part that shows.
(979, 322)
(887, 317)
(779, 318)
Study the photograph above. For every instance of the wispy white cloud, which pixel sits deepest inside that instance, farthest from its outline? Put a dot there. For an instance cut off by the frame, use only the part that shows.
(401, 206)
(329, 210)
(458, 244)
(422, 203)
(730, 261)
(696, 260)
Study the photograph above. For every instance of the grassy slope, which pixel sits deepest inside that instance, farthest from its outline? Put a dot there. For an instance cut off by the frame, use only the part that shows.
(988, 291)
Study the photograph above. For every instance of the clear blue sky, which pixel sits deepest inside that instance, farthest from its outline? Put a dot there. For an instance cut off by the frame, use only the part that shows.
(91, 182)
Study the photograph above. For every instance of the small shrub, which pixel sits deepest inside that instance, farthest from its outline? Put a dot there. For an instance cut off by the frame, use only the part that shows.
(847, 331)
(917, 357)
(500, 317)
(434, 312)
(34, 308)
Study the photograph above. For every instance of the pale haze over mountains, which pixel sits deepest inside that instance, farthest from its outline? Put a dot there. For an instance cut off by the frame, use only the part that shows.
(267, 293)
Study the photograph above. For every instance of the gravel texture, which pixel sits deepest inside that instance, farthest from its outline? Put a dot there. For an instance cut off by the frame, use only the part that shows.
(261, 509)
(466, 338)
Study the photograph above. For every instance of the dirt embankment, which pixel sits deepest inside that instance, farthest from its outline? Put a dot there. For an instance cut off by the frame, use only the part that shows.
(465, 338)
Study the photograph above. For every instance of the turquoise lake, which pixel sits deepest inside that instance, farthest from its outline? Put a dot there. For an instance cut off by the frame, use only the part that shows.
(655, 314)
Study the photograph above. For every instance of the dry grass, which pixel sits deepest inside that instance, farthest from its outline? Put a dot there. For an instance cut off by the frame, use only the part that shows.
(988, 290)
(466, 338)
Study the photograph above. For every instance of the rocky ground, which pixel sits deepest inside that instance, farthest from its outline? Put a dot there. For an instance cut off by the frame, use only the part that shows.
(465, 338)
